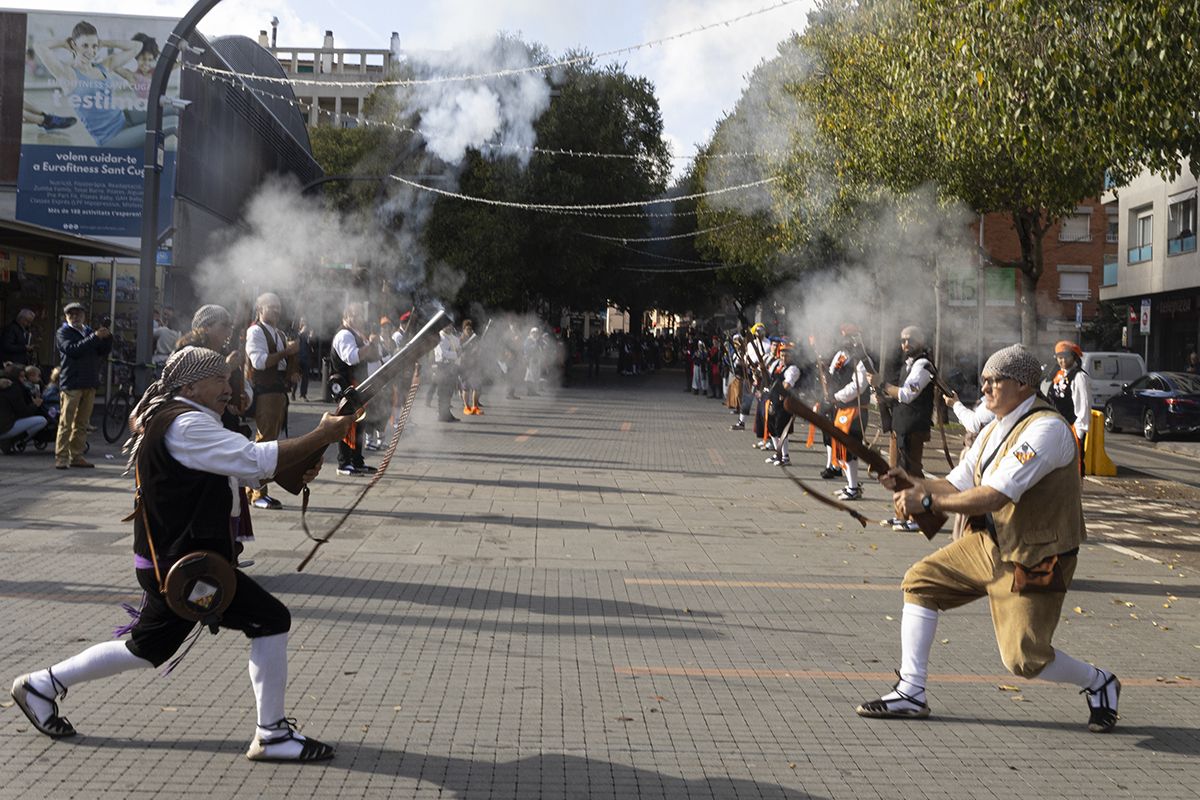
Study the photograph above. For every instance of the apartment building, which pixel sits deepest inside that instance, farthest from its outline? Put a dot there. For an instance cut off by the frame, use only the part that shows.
(1157, 269)
(1075, 250)
(331, 98)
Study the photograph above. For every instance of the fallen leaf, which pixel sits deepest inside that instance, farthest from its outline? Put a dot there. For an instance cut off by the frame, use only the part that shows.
(1078, 609)
(623, 719)
(350, 672)
(8, 704)
(1133, 616)
(874, 547)
(1166, 605)
(791, 765)
(395, 708)
(1004, 687)
(169, 708)
(889, 619)
(1016, 698)
(687, 610)
(945, 641)
(1172, 598)
(365, 728)
(654, 711)
(1183, 677)
(659, 698)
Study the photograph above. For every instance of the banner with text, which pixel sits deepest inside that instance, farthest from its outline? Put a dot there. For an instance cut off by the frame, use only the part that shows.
(87, 80)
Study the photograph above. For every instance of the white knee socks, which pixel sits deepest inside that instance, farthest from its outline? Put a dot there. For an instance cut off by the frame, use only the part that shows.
(781, 447)
(828, 456)
(98, 661)
(917, 628)
(1065, 669)
(268, 676)
(852, 475)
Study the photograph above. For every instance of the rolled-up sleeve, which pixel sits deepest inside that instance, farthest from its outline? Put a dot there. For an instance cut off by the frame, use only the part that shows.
(256, 348)
(918, 378)
(198, 441)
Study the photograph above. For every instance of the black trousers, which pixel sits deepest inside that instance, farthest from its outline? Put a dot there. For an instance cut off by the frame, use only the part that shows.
(160, 631)
(352, 456)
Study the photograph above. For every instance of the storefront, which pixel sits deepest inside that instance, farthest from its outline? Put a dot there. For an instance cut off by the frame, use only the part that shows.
(42, 270)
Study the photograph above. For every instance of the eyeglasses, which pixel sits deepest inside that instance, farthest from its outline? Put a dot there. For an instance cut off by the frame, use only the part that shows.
(994, 381)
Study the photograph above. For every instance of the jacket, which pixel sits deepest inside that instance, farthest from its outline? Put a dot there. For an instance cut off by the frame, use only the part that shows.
(82, 354)
(14, 404)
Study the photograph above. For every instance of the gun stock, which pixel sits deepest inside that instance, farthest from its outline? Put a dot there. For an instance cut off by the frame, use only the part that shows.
(355, 398)
(929, 522)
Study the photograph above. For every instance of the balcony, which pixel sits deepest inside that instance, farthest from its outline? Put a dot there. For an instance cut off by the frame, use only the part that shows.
(1110, 271)
(1139, 254)
(1181, 244)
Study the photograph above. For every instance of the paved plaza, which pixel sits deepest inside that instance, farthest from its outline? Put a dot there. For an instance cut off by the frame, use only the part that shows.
(601, 593)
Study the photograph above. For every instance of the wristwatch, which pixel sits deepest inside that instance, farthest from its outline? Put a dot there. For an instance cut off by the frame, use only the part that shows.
(927, 502)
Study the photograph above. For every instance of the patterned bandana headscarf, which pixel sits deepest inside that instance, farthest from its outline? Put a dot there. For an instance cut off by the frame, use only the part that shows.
(1016, 362)
(209, 315)
(184, 367)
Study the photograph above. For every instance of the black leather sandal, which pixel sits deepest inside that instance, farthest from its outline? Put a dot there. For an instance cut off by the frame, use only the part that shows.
(1103, 717)
(54, 726)
(884, 709)
(310, 750)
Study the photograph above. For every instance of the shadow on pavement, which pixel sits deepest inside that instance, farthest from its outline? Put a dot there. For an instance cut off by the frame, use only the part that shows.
(545, 775)
(471, 598)
(502, 483)
(1158, 738)
(508, 520)
(1130, 587)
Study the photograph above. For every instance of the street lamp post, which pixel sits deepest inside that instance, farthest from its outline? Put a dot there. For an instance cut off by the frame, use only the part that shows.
(152, 165)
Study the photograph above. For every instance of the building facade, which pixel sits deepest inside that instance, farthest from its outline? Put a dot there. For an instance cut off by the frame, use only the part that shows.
(1156, 272)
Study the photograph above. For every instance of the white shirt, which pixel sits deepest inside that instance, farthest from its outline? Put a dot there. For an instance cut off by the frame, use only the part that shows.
(854, 387)
(446, 351)
(346, 347)
(1045, 445)
(398, 339)
(1081, 398)
(918, 378)
(197, 440)
(973, 419)
(791, 376)
(256, 346)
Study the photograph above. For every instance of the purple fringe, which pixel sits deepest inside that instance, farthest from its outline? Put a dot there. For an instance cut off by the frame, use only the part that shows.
(135, 614)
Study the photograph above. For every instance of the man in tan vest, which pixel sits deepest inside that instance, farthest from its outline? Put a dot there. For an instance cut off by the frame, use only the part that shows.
(1020, 485)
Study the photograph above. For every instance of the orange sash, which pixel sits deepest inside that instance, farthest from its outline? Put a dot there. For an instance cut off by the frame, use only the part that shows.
(843, 420)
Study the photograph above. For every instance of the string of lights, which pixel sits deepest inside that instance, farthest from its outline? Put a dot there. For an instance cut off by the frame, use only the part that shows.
(584, 207)
(295, 102)
(671, 259)
(627, 239)
(666, 270)
(565, 62)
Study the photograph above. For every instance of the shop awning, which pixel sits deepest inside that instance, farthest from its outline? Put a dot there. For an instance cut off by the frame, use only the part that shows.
(23, 236)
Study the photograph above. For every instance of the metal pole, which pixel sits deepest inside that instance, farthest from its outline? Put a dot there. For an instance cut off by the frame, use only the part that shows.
(112, 322)
(152, 165)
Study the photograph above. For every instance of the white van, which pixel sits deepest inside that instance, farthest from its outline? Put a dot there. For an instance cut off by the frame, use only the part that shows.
(1109, 372)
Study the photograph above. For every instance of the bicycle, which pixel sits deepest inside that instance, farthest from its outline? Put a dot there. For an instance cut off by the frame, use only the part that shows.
(118, 405)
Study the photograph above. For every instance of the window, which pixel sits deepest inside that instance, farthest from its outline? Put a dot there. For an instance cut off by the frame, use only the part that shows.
(1112, 233)
(1077, 227)
(1140, 384)
(1141, 246)
(1110, 269)
(1181, 224)
(1074, 283)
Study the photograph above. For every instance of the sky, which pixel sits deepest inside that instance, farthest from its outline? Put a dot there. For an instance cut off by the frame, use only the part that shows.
(697, 78)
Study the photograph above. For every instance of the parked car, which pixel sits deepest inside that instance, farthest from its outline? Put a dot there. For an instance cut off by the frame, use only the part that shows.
(1108, 372)
(1159, 403)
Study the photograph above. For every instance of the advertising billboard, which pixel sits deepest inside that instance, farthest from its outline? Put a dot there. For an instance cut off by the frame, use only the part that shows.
(83, 121)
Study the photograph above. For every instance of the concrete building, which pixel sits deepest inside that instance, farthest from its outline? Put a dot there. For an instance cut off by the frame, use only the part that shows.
(333, 99)
(1075, 251)
(1157, 268)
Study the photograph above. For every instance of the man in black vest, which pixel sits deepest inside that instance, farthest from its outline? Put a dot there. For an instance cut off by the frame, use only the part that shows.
(912, 414)
(188, 467)
(1071, 393)
(348, 356)
(266, 361)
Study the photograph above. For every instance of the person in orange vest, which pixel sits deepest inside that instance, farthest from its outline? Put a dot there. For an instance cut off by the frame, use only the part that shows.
(851, 405)
(1071, 392)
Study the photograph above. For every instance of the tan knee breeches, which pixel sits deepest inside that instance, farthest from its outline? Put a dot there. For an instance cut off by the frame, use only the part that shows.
(970, 568)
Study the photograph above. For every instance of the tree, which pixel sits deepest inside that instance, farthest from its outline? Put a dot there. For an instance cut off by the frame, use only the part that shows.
(1014, 107)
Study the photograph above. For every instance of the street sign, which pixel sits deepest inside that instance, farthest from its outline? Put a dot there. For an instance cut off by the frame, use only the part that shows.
(1144, 326)
(1079, 315)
